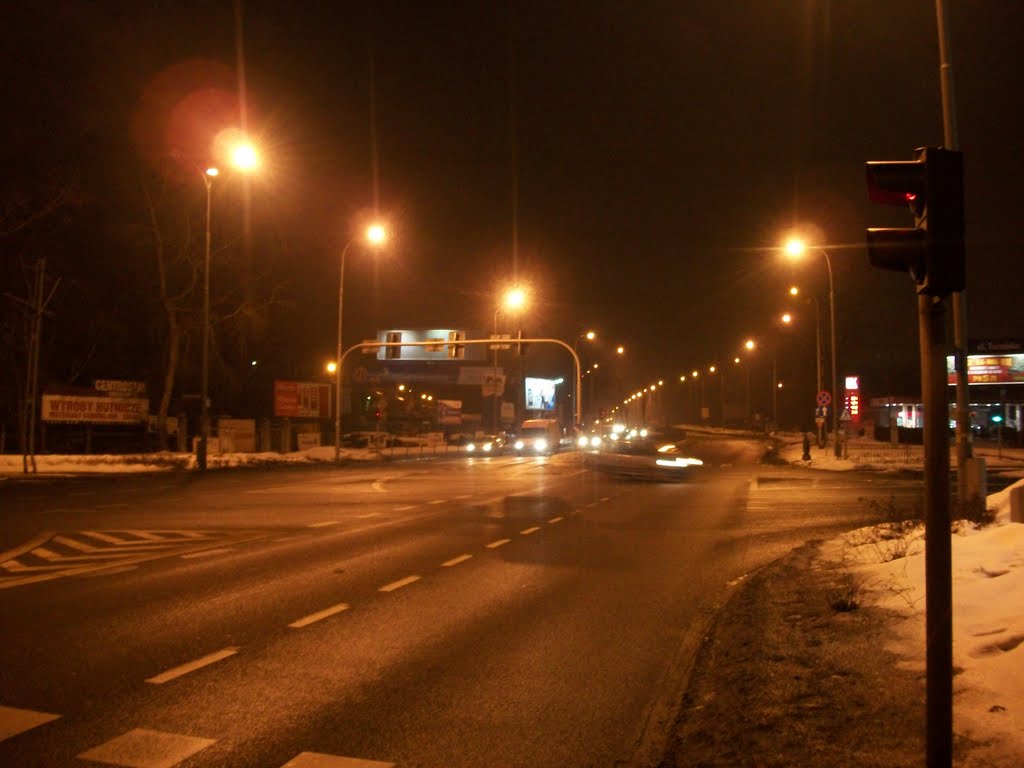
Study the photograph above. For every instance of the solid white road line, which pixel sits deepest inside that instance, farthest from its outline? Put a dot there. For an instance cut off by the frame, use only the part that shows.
(14, 721)
(528, 531)
(455, 561)
(315, 617)
(399, 584)
(192, 666)
(498, 543)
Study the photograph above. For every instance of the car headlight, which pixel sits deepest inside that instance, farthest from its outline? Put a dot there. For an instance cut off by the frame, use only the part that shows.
(540, 445)
(520, 445)
(487, 447)
(581, 441)
(470, 447)
(595, 442)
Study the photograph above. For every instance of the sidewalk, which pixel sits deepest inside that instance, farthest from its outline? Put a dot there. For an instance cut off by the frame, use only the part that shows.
(817, 660)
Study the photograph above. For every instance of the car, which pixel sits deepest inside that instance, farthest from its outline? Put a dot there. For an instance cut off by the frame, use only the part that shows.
(486, 445)
(644, 458)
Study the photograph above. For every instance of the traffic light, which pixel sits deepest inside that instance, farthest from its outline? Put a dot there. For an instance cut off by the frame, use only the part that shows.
(456, 351)
(520, 346)
(932, 251)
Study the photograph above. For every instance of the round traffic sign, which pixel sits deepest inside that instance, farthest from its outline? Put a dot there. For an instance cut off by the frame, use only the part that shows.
(824, 398)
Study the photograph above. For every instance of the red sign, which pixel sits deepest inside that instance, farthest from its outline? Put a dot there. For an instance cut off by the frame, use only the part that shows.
(302, 399)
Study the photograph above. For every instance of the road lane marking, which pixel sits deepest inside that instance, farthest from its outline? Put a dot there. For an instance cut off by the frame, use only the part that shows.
(528, 531)
(206, 553)
(144, 748)
(105, 537)
(604, 498)
(399, 584)
(324, 524)
(322, 760)
(591, 504)
(105, 571)
(319, 615)
(406, 508)
(367, 515)
(437, 501)
(14, 721)
(455, 561)
(192, 666)
(81, 546)
(464, 496)
(554, 520)
(498, 543)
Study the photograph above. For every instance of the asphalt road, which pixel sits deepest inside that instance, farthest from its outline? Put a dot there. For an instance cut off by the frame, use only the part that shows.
(502, 611)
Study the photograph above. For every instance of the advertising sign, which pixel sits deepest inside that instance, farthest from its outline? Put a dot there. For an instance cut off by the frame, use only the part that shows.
(75, 409)
(237, 435)
(117, 388)
(540, 394)
(990, 369)
(449, 412)
(302, 399)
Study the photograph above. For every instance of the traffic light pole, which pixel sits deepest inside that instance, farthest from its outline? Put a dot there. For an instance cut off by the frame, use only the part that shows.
(959, 298)
(938, 542)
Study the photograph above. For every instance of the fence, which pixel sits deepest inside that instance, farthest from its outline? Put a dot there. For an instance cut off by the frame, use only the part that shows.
(900, 454)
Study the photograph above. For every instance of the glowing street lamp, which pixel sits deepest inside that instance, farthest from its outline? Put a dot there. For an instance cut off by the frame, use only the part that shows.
(244, 157)
(374, 236)
(795, 248)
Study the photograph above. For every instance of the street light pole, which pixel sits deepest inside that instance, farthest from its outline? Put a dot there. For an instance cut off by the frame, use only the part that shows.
(204, 408)
(337, 369)
(832, 332)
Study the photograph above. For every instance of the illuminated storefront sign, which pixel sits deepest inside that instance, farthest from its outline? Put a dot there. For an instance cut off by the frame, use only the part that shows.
(851, 399)
(990, 369)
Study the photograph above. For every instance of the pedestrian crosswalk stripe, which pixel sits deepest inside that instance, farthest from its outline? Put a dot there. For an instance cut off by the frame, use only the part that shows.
(14, 721)
(320, 760)
(144, 748)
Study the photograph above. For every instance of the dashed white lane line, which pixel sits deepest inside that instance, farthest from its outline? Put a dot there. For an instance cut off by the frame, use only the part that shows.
(437, 501)
(399, 584)
(464, 496)
(455, 561)
(14, 721)
(554, 520)
(528, 531)
(206, 553)
(320, 760)
(498, 543)
(405, 508)
(319, 615)
(192, 666)
(324, 524)
(143, 748)
(367, 515)
(604, 498)
(591, 504)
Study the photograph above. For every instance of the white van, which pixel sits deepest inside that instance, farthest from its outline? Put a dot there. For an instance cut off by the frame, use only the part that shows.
(538, 436)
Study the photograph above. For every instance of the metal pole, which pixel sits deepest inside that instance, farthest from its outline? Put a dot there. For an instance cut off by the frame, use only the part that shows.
(938, 542)
(204, 407)
(832, 323)
(817, 360)
(337, 369)
(959, 299)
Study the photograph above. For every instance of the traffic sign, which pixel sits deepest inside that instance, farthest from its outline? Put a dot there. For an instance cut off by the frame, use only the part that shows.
(824, 398)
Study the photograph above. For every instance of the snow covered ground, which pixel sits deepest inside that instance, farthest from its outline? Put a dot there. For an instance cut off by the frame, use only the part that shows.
(887, 568)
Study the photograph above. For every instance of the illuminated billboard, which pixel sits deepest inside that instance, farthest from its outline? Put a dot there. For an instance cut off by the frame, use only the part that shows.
(990, 369)
(540, 394)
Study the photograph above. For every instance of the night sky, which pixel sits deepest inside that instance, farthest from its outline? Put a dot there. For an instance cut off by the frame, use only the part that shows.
(635, 162)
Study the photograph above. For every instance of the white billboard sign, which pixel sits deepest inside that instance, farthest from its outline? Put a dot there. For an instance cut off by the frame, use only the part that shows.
(75, 409)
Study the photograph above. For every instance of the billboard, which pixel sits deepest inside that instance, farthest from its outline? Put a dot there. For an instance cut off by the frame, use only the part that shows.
(302, 399)
(76, 409)
(540, 394)
(990, 369)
